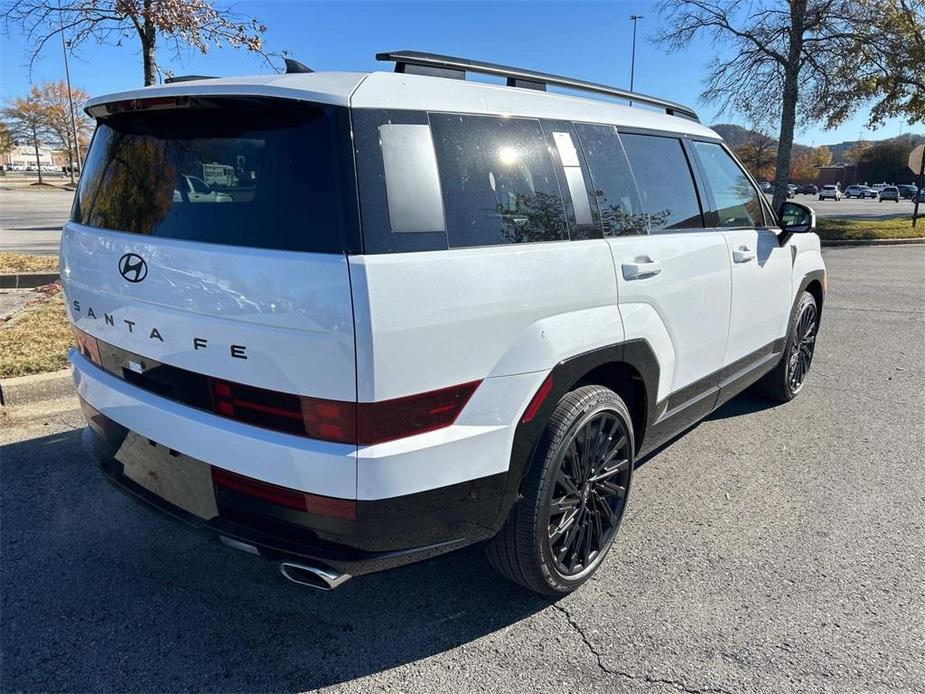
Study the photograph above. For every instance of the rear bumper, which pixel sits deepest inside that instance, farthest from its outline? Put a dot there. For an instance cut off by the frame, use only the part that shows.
(381, 535)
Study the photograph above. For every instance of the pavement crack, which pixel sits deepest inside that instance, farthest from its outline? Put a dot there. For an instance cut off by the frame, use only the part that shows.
(648, 679)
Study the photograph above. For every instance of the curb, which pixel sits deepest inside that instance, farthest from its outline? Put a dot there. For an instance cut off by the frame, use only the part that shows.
(28, 280)
(872, 242)
(25, 390)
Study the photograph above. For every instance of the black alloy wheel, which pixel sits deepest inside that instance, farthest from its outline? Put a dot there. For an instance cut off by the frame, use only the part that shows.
(573, 495)
(786, 379)
(803, 342)
(588, 493)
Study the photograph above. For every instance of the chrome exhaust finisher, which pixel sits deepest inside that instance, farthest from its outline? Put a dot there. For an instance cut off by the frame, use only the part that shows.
(318, 577)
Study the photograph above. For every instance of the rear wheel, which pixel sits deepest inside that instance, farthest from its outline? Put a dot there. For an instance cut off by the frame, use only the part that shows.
(574, 495)
(786, 380)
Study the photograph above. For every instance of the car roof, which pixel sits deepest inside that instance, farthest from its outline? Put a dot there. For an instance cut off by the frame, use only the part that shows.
(391, 90)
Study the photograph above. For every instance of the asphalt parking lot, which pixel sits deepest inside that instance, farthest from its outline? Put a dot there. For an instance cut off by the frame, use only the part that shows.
(858, 209)
(31, 220)
(770, 549)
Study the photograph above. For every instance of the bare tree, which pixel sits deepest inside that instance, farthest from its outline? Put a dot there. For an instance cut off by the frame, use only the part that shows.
(27, 121)
(179, 24)
(57, 109)
(778, 58)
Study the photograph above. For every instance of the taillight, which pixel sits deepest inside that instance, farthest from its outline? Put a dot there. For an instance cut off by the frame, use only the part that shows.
(364, 423)
(283, 496)
(87, 346)
(388, 420)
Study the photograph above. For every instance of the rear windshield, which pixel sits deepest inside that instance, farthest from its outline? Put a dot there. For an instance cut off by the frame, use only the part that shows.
(245, 172)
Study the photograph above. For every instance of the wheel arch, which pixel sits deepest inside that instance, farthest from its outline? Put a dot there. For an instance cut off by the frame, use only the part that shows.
(630, 369)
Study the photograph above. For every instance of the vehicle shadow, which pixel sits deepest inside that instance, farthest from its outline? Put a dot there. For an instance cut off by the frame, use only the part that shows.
(99, 594)
(743, 404)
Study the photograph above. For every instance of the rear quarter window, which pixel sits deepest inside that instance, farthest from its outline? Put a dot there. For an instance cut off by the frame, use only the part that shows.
(498, 181)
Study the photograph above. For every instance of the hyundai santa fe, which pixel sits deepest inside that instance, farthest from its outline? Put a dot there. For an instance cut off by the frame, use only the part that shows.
(423, 312)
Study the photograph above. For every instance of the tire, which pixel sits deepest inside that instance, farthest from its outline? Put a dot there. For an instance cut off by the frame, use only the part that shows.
(785, 382)
(528, 550)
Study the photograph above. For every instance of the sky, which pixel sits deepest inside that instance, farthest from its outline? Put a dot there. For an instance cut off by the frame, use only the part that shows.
(586, 40)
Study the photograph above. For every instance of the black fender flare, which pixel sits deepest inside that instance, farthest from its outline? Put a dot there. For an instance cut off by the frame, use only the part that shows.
(565, 375)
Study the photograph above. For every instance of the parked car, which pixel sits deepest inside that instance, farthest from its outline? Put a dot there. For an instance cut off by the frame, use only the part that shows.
(879, 186)
(194, 189)
(859, 191)
(766, 187)
(907, 191)
(889, 193)
(807, 189)
(830, 192)
(419, 333)
(921, 195)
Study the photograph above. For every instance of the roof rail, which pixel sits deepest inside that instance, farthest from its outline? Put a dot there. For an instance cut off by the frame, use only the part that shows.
(415, 62)
(188, 78)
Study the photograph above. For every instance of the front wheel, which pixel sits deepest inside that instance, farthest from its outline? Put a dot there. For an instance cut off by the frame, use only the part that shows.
(785, 382)
(573, 496)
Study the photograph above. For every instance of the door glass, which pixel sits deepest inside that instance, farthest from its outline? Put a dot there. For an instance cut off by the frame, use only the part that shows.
(665, 183)
(614, 187)
(737, 202)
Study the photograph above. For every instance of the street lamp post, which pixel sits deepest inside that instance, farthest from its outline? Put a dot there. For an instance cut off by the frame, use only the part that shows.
(634, 18)
(70, 99)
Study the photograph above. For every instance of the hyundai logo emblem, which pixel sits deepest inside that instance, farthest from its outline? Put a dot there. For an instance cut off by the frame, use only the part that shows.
(133, 267)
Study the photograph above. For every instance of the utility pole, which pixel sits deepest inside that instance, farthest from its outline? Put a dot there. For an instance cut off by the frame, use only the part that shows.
(70, 98)
(634, 18)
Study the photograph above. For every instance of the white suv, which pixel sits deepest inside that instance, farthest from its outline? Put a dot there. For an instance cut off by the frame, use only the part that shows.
(833, 192)
(434, 312)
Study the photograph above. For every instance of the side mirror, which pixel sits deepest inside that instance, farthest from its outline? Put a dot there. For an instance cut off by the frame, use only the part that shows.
(796, 218)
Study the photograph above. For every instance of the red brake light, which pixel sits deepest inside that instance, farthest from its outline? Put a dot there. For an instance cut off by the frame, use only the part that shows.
(365, 423)
(388, 420)
(283, 496)
(87, 346)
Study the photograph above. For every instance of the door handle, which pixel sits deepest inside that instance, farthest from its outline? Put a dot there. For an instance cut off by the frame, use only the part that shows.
(743, 254)
(641, 268)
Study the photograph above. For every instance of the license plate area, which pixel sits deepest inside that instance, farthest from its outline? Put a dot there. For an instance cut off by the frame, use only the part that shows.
(178, 479)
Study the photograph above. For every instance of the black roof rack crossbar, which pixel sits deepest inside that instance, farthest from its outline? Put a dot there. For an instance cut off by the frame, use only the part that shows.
(448, 66)
(188, 78)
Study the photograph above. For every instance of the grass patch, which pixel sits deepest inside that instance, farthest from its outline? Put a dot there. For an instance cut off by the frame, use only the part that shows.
(892, 228)
(20, 262)
(35, 339)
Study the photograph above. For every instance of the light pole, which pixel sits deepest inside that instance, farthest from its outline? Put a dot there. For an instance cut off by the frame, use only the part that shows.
(634, 18)
(70, 99)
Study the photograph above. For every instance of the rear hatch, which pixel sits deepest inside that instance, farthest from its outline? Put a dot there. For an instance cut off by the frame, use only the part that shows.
(208, 241)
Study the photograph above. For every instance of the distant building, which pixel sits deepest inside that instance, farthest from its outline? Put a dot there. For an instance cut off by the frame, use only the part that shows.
(840, 174)
(24, 155)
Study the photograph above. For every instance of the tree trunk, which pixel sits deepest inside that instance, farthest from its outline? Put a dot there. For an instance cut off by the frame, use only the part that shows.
(785, 140)
(148, 45)
(38, 158)
(790, 96)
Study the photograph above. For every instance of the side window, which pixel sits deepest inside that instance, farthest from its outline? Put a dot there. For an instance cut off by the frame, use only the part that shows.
(499, 185)
(584, 222)
(665, 182)
(399, 193)
(737, 201)
(614, 188)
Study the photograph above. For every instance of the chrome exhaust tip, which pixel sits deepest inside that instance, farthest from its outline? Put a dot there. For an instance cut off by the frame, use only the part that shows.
(317, 577)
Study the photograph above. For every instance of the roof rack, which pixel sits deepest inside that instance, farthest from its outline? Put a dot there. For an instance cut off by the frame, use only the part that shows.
(188, 78)
(415, 62)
